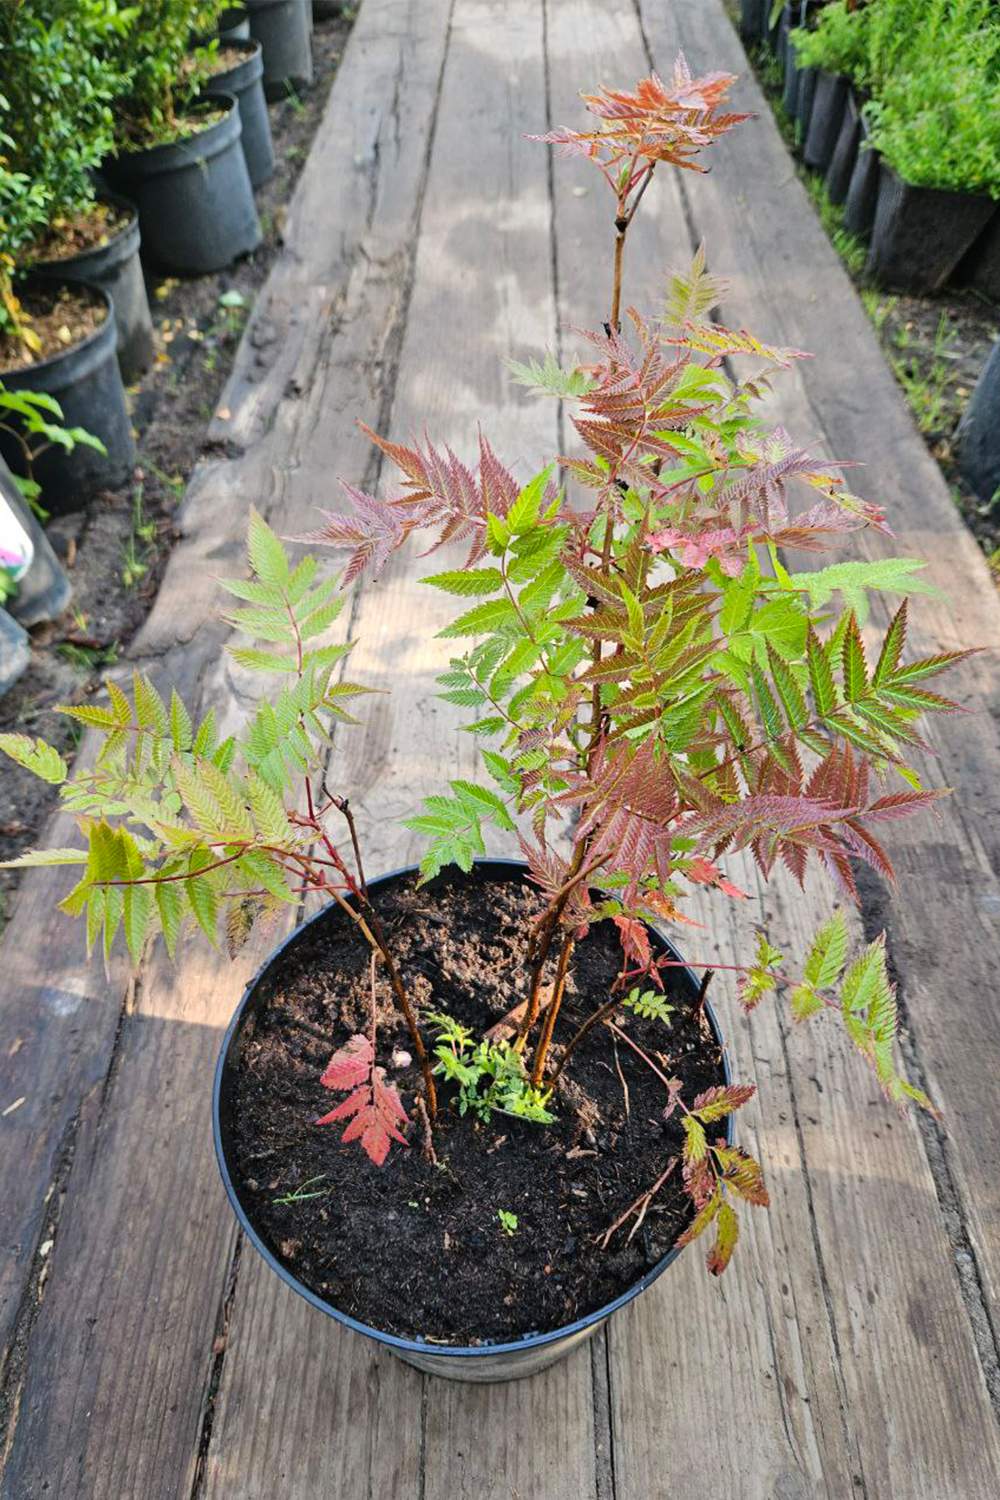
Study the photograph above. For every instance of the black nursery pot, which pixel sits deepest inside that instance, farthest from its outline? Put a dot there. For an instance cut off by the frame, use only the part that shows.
(480, 1362)
(233, 24)
(245, 81)
(753, 19)
(845, 152)
(920, 234)
(284, 30)
(862, 190)
(116, 267)
(981, 267)
(979, 432)
(195, 201)
(825, 120)
(325, 10)
(87, 383)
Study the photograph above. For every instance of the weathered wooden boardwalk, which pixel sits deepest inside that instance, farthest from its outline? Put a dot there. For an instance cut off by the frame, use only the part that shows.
(851, 1350)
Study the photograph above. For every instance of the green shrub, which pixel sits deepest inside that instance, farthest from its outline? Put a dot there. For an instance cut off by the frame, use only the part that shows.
(56, 117)
(936, 113)
(838, 42)
(163, 74)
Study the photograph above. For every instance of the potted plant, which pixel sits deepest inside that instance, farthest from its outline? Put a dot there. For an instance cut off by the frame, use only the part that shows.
(178, 153)
(936, 125)
(470, 1110)
(284, 30)
(233, 24)
(836, 48)
(237, 67)
(57, 337)
(58, 119)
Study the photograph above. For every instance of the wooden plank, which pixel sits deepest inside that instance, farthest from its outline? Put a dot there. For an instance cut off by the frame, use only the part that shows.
(482, 288)
(765, 1327)
(900, 1376)
(112, 1405)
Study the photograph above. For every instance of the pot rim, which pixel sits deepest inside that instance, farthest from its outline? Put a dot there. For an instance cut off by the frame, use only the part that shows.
(106, 329)
(51, 268)
(393, 1341)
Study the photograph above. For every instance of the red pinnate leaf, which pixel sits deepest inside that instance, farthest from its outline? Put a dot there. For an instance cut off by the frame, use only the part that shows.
(715, 1103)
(350, 1065)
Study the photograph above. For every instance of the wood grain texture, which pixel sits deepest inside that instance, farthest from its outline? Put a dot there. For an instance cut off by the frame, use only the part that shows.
(121, 1351)
(482, 291)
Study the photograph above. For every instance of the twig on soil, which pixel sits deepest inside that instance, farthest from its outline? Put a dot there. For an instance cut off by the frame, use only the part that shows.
(638, 1208)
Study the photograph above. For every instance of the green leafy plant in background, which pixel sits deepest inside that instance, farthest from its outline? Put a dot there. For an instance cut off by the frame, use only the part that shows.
(838, 43)
(34, 419)
(163, 71)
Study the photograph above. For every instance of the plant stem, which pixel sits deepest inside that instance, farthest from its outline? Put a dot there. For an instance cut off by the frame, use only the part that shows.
(601, 1014)
(541, 1051)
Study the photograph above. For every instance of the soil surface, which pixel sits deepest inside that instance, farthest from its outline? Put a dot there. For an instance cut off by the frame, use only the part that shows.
(118, 546)
(60, 318)
(418, 1249)
(66, 238)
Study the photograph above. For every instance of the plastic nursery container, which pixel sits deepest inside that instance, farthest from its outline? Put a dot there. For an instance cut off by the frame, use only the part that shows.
(325, 10)
(825, 120)
(862, 190)
(116, 267)
(194, 196)
(920, 234)
(476, 1362)
(44, 590)
(753, 19)
(15, 651)
(87, 383)
(233, 24)
(845, 152)
(979, 432)
(284, 30)
(981, 267)
(245, 81)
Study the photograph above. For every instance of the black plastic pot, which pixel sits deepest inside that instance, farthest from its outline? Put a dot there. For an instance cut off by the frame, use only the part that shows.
(979, 432)
(116, 267)
(845, 152)
(283, 28)
(325, 10)
(195, 201)
(790, 92)
(45, 590)
(15, 651)
(825, 120)
(920, 234)
(479, 1362)
(245, 82)
(806, 96)
(981, 267)
(234, 24)
(87, 383)
(753, 19)
(862, 190)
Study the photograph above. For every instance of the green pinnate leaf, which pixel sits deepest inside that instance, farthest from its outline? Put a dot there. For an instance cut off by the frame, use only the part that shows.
(268, 558)
(181, 730)
(855, 667)
(170, 908)
(805, 1002)
(828, 953)
(523, 514)
(267, 808)
(150, 710)
(727, 1231)
(35, 756)
(820, 676)
(138, 907)
(498, 614)
(866, 983)
(467, 582)
(35, 857)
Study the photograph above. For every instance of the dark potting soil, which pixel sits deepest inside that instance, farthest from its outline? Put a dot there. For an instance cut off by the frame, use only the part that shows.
(117, 548)
(60, 319)
(416, 1249)
(71, 235)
